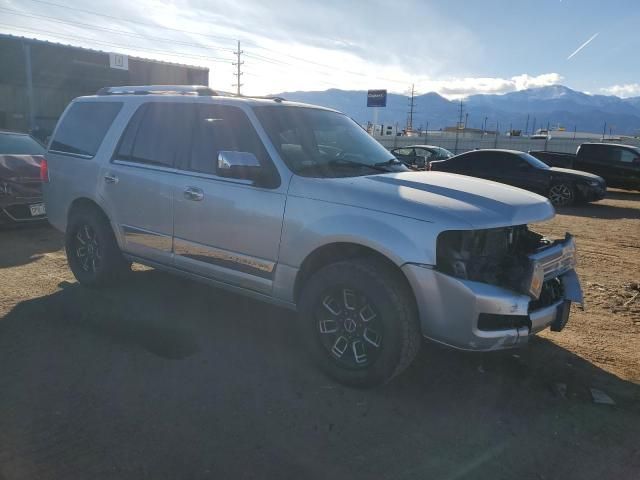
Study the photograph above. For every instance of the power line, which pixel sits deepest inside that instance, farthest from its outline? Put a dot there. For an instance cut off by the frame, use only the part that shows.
(238, 63)
(100, 42)
(111, 30)
(191, 32)
(146, 24)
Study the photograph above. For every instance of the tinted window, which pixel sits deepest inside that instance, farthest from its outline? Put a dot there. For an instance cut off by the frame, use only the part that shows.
(158, 134)
(627, 156)
(223, 128)
(11, 144)
(84, 126)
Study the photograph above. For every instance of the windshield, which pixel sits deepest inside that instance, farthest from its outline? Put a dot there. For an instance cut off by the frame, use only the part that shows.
(533, 161)
(316, 142)
(444, 153)
(17, 144)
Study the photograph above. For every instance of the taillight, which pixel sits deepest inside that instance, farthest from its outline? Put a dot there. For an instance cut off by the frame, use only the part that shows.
(44, 171)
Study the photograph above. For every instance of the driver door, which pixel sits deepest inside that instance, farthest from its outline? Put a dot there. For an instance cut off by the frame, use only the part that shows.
(227, 229)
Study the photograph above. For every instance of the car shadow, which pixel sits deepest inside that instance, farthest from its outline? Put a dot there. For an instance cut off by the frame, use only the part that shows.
(115, 379)
(600, 210)
(629, 195)
(22, 244)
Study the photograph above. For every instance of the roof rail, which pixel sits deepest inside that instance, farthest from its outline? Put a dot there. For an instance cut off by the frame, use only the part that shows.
(199, 90)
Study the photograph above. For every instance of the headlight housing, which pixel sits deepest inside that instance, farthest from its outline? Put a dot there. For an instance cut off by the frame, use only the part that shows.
(513, 257)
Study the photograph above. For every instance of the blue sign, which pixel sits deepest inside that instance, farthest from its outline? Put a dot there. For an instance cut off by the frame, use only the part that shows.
(376, 98)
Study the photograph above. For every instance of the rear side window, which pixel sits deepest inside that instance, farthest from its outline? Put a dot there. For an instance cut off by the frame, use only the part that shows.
(83, 128)
(158, 134)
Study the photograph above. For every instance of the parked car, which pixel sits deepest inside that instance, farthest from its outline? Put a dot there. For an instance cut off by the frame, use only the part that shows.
(618, 164)
(20, 184)
(418, 157)
(561, 185)
(296, 205)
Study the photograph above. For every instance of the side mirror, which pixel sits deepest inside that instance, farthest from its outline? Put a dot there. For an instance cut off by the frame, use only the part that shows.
(245, 166)
(241, 165)
(228, 160)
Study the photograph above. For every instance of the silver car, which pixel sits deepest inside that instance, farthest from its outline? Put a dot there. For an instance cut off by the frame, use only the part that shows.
(296, 205)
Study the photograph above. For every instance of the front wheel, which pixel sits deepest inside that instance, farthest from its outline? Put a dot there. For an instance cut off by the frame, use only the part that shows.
(561, 194)
(360, 322)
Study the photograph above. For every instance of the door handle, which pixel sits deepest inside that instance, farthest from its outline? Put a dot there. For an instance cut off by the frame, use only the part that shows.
(109, 178)
(194, 194)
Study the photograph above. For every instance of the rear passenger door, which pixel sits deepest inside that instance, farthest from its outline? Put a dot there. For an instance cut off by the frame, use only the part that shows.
(225, 228)
(137, 185)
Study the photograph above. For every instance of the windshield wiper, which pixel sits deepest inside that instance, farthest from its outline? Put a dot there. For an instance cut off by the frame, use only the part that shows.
(352, 163)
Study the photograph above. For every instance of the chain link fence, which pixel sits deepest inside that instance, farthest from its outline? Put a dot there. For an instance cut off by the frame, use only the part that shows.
(466, 142)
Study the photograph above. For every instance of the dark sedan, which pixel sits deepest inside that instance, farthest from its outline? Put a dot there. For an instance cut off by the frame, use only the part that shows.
(561, 185)
(20, 184)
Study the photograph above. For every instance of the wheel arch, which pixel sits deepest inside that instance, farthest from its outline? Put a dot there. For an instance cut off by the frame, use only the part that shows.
(90, 204)
(341, 251)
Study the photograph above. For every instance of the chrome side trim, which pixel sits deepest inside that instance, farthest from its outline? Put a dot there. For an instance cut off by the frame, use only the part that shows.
(215, 283)
(217, 256)
(146, 238)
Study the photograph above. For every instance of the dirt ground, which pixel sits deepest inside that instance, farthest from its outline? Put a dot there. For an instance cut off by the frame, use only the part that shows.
(164, 378)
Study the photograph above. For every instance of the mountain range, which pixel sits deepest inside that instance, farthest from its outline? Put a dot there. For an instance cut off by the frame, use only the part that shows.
(551, 105)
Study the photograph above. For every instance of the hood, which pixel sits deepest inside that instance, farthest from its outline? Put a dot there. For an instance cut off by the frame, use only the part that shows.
(575, 173)
(20, 168)
(456, 201)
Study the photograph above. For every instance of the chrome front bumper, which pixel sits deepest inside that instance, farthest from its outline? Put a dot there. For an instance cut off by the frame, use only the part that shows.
(450, 309)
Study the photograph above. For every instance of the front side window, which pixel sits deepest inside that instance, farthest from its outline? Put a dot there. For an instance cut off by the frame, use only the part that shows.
(223, 128)
(627, 156)
(83, 127)
(315, 142)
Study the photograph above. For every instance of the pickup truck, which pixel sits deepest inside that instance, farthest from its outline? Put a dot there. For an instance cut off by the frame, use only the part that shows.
(618, 164)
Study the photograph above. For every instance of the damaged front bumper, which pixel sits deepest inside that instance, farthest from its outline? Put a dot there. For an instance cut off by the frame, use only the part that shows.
(472, 315)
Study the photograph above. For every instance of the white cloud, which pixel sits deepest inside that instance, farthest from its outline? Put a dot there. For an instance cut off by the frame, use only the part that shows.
(463, 87)
(624, 91)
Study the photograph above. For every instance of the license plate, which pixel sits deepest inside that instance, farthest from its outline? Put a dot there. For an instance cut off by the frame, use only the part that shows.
(37, 209)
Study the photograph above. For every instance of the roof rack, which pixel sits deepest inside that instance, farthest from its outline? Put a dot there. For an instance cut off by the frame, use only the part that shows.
(199, 90)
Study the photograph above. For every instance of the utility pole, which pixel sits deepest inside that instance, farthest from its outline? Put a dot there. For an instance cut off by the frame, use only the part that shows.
(426, 132)
(575, 128)
(238, 64)
(484, 126)
(533, 129)
(526, 129)
(455, 150)
(604, 130)
(411, 110)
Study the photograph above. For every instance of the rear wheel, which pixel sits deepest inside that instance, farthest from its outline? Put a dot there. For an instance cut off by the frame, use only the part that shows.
(360, 322)
(562, 194)
(92, 250)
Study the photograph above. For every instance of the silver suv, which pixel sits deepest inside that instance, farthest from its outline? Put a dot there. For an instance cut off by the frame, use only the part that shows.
(296, 205)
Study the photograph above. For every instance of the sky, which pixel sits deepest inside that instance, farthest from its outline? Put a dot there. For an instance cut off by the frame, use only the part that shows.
(456, 49)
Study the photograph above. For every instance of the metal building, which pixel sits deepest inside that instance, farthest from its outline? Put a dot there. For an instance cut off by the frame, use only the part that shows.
(38, 79)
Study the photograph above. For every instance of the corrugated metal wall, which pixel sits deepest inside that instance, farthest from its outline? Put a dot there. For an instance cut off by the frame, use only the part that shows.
(61, 73)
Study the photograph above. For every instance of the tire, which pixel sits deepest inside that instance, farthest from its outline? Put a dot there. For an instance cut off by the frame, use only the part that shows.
(562, 194)
(349, 307)
(92, 251)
